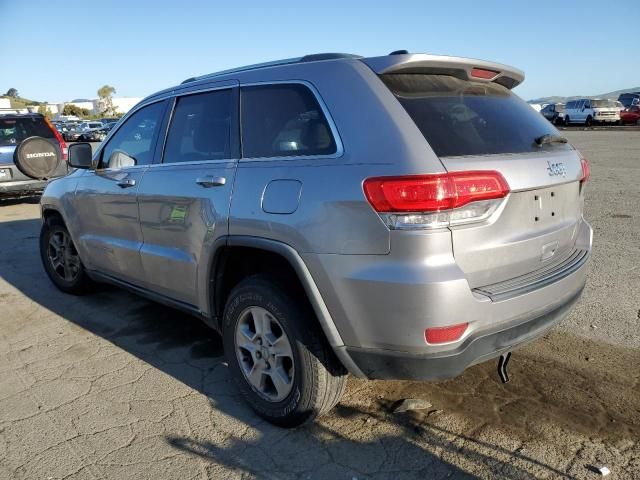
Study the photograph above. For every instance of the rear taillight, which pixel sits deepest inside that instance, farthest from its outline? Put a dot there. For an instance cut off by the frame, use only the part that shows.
(586, 170)
(445, 334)
(61, 142)
(431, 201)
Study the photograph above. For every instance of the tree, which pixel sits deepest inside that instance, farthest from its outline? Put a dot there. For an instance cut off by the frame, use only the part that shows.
(105, 95)
(12, 92)
(44, 110)
(75, 111)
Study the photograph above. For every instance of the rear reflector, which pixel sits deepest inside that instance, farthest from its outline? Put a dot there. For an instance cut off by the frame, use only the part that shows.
(586, 170)
(484, 74)
(445, 334)
(433, 193)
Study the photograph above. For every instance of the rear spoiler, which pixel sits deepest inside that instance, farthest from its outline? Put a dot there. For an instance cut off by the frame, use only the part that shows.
(460, 67)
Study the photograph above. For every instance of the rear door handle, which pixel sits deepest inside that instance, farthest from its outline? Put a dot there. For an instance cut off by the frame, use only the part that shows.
(126, 183)
(208, 182)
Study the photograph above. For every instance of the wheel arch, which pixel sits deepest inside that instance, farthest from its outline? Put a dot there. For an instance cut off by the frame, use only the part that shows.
(224, 274)
(48, 211)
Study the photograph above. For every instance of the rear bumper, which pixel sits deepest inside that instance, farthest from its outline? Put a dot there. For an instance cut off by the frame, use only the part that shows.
(21, 187)
(385, 365)
(382, 305)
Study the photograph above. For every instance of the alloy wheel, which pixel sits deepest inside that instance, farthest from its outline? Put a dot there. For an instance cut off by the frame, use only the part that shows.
(264, 354)
(63, 256)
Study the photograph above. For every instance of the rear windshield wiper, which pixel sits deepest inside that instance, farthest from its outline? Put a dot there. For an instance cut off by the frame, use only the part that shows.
(550, 138)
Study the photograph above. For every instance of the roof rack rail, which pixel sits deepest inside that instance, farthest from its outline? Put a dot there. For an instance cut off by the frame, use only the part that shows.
(399, 52)
(316, 57)
(287, 61)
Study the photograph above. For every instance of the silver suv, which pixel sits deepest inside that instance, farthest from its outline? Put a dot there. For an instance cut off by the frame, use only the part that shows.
(396, 217)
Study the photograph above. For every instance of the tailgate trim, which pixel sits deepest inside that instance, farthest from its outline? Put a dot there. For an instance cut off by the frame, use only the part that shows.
(539, 278)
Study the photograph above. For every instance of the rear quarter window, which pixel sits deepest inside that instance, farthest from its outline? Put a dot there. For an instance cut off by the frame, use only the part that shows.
(283, 120)
(460, 117)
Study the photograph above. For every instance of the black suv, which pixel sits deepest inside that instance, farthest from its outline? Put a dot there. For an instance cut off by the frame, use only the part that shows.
(29, 137)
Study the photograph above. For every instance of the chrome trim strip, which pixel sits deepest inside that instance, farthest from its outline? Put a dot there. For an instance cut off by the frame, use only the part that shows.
(230, 161)
(537, 279)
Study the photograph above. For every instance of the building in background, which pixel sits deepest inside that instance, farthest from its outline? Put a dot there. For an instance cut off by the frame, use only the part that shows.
(121, 104)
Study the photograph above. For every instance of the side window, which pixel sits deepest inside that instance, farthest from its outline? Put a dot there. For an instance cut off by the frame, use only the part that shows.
(587, 104)
(135, 140)
(283, 120)
(570, 105)
(202, 128)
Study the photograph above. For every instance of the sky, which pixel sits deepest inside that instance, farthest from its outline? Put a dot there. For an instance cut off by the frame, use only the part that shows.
(62, 50)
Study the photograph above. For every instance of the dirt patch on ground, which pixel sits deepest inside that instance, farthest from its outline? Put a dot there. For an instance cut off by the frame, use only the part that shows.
(577, 384)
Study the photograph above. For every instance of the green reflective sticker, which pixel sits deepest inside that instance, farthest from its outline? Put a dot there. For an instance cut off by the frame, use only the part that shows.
(178, 214)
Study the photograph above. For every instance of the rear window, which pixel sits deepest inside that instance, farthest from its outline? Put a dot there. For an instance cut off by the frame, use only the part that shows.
(14, 130)
(460, 117)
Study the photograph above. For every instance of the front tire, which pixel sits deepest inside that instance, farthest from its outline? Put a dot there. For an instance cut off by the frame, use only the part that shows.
(61, 260)
(278, 355)
(588, 122)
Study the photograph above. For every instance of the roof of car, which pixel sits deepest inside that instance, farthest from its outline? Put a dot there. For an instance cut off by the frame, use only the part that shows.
(21, 115)
(399, 61)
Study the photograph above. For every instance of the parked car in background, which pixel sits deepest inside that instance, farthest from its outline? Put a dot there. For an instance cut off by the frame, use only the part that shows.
(72, 133)
(32, 152)
(105, 121)
(84, 126)
(96, 134)
(631, 115)
(447, 232)
(589, 111)
(554, 112)
(629, 99)
(93, 135)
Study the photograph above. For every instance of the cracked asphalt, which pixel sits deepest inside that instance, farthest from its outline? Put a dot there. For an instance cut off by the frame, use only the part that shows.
(113, 386)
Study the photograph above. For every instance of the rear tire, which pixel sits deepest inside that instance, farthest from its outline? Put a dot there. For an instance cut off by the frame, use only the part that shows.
(61, 260)
(278, 355)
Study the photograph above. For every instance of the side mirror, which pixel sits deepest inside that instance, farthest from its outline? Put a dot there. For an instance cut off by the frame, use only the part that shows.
(80, 155)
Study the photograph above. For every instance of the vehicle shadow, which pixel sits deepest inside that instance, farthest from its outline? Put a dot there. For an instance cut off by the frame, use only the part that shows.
(9, 201)
(555, 395)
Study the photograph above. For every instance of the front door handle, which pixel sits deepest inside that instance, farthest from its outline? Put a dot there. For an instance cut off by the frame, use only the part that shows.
(208, 182)
(126, 183)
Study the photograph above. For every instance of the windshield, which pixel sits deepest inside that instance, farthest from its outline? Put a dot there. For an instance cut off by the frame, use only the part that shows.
(15, 130)
(461, 117)
(603, 104)
(559, 108)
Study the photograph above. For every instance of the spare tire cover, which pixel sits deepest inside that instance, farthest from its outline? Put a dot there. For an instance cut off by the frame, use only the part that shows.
(37, 157)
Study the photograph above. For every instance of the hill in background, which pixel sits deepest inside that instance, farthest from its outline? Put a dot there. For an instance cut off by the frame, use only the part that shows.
(19, 102)
(557, 99)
